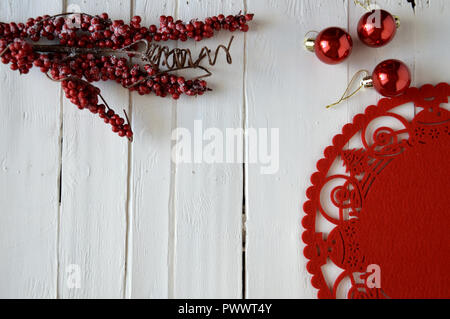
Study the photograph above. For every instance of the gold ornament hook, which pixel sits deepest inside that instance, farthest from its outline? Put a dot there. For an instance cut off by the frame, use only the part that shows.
(309, 42)
(397, 21)
(366, 4)
(365, 82)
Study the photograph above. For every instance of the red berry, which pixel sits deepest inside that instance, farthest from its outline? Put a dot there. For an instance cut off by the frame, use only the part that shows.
(136, 19)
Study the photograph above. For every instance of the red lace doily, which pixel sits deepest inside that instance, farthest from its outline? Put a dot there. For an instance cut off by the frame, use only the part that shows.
(389, 206)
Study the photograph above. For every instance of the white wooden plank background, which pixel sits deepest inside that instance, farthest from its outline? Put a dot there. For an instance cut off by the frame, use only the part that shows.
(152, 182)
(94, 190)
(138, 225)
(208, 197)
(29, 174)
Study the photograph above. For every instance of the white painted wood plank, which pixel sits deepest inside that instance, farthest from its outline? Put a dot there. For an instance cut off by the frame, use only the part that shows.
(151, 180)
(432, 42)
(94, 188)
(432, 65)
(29, 157)
(287, 88)
(208, 197)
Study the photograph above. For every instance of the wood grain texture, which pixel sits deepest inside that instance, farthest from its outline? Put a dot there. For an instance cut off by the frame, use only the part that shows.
(432, 42)
(29, 170)
(207, 258)
(94, 189)
(151, 177)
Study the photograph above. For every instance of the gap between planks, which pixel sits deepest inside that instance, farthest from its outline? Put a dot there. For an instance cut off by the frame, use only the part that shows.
(127, 276)
(244, 170)
(58, 218)
(171, 241)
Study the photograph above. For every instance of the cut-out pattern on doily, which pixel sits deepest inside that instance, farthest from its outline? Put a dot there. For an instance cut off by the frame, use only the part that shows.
(391, 206)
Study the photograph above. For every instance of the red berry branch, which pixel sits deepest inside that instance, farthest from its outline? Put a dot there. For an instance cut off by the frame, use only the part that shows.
(89, 48)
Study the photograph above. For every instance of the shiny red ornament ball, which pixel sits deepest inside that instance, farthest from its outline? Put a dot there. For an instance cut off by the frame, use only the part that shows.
(391, 78)
(377, 28)
(333, 45)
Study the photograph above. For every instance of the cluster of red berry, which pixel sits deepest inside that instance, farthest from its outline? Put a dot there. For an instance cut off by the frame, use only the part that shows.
(100, 31)
(197, 30)
(20, 55)
(96, 33)
(143, 80)
(85, 96)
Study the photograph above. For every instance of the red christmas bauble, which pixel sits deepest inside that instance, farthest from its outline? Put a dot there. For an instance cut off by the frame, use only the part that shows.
(391, 78)
(377, 28)
(333, 45)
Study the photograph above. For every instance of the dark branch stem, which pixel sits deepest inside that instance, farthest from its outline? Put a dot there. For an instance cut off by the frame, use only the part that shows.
(156, 55)
(42, 48)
